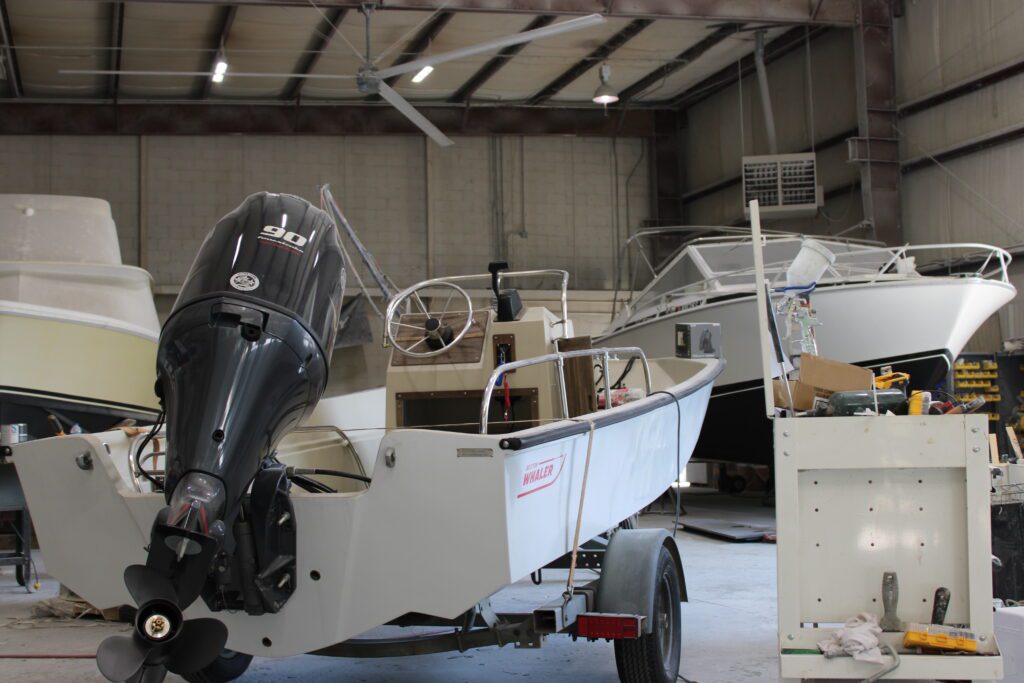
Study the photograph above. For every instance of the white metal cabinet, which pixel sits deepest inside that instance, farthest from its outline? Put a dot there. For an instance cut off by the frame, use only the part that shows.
(859, 496)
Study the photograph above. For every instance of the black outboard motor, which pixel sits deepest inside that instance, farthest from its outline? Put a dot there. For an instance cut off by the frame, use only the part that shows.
(243, 358)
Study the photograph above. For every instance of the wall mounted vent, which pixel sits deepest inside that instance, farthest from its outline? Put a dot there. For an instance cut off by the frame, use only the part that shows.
(784, 185)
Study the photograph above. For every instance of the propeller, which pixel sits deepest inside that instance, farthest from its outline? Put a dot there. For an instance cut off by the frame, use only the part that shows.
(371, 79)
(162, 639)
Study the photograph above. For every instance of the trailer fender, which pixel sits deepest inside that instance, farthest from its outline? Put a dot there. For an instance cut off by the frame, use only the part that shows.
(629, 572)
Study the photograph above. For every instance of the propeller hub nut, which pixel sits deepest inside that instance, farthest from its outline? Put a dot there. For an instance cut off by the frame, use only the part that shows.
(157, 626)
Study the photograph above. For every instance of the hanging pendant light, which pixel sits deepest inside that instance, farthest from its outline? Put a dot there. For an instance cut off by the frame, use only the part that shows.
(604, 94)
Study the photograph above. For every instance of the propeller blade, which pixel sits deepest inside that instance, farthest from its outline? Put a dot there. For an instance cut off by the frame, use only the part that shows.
(200, 642)
(145, 584)
(229, 74)
(120, 657)
(150, 674)
(409, 112)
(492, 45)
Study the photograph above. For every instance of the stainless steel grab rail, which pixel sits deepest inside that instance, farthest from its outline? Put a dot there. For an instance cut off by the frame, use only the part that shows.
(135, 473)
(345, 441)
(559, 358)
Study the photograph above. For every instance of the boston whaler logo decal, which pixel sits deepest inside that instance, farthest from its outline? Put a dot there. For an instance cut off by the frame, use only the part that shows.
(540, 475)
(285, 239)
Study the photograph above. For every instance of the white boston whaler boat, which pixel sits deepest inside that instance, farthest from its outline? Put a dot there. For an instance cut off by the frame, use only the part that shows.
(78, 330)
(493, 461)
(877, 308)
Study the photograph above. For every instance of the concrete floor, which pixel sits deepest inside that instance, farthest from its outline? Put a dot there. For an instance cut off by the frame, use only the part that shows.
(728, 632)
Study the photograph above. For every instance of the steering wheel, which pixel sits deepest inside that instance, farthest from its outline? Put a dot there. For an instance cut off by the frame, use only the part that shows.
(434, 337)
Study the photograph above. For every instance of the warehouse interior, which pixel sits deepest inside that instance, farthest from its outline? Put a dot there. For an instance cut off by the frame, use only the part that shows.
(224, 221)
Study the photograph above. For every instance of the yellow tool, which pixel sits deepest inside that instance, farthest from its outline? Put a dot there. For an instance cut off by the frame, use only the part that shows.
(937, 637)
(894, 380)
(919, 403)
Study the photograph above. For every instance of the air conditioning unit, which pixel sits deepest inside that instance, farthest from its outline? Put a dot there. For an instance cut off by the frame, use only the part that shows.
(784, 185)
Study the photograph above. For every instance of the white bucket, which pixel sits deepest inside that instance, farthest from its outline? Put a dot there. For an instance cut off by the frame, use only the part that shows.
(809, 265)
(906, 265)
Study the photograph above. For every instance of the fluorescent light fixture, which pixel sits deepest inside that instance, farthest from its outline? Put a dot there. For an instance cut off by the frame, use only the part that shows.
(219, 70)
(422, 74)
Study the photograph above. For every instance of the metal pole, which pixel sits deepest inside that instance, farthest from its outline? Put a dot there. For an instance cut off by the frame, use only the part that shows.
(762, 312)
(560, 362)
(766, 95)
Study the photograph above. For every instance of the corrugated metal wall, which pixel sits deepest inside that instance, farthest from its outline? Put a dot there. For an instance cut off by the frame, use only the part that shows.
(977, 197)
(716, 139)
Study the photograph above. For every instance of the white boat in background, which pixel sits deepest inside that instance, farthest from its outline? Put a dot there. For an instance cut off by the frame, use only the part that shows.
(876, 307)
(78, 329)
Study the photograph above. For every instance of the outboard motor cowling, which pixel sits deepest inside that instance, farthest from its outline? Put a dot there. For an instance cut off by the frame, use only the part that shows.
(243, 356)
(242, 359)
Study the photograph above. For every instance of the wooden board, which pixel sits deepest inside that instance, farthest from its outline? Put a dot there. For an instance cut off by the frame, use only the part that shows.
(580, 390)
(1011, 436)
(469, 350)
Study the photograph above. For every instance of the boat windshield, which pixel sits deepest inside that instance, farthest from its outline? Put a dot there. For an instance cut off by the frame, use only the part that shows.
(722, 264)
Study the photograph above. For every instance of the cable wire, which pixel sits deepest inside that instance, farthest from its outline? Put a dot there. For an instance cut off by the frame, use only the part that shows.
(157, 485)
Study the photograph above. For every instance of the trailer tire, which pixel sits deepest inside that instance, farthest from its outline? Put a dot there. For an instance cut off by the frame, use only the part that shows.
(655, 656)
(228, 666)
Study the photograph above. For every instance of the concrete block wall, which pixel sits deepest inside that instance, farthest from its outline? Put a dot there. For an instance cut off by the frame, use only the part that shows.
(419, 208)
(461, 206)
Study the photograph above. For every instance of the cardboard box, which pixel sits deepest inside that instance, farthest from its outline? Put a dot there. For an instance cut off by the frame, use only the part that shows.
(831, 375)
(821, 377)
(803, 395)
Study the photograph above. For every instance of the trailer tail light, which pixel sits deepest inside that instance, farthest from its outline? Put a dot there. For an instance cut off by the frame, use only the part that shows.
(609, 626)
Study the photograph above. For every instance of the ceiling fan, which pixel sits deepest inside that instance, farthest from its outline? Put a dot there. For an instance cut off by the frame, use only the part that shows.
(370, 79)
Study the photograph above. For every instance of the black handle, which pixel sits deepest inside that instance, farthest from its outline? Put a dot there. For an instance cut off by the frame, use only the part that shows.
(940, 606)
(495, 267)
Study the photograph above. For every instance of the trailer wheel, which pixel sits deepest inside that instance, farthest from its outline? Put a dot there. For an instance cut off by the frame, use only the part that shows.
(655, 656)
(227, 667)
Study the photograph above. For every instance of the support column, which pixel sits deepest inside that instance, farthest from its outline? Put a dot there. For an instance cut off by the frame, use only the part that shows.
(669, 171)
(876, 148)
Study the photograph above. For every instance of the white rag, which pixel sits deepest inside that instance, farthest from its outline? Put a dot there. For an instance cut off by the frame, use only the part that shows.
(858, 638)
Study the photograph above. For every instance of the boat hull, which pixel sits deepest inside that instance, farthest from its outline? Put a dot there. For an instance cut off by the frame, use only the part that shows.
(91, 372)
(453, 519)
(918, 326)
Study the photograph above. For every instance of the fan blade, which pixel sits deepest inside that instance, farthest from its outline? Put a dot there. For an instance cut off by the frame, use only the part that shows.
(492, 45)
(197, 646)
(409, 112)
(229, 74)
(120, 657)
(150, 674)
(145, 584)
